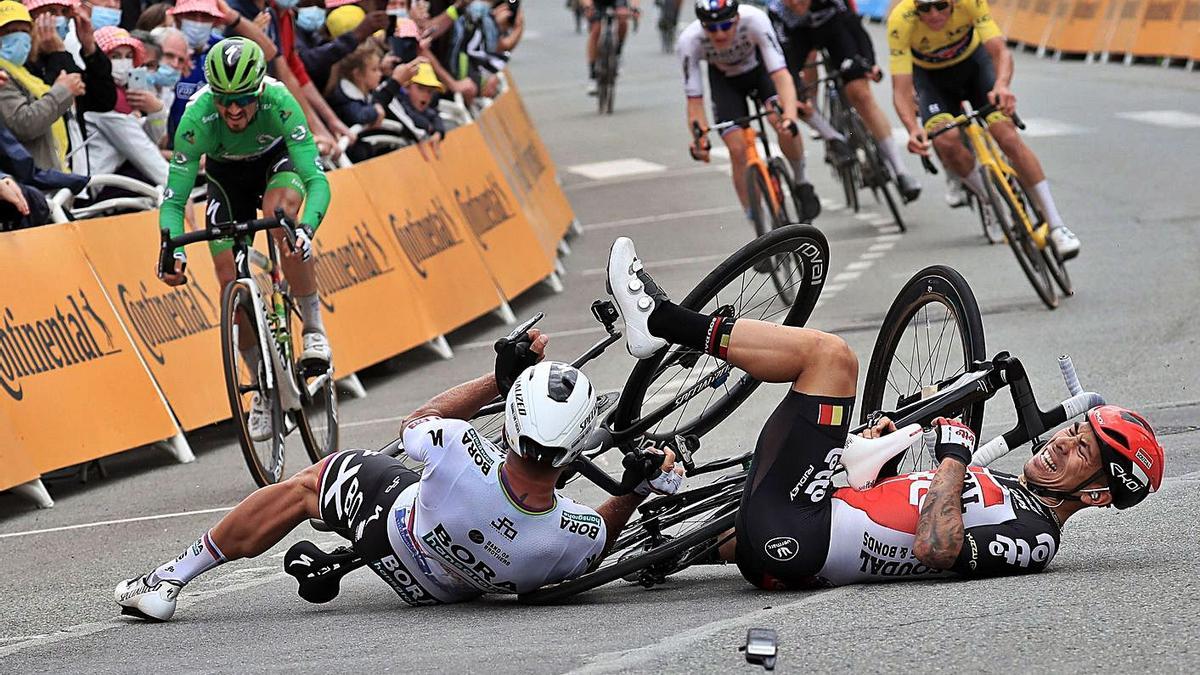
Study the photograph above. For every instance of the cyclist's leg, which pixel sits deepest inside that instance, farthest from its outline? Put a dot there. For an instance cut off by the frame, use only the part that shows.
(623, 13)
(232, 197)
(791, 146)
(728, 103)
(593, 41)
(938, 100)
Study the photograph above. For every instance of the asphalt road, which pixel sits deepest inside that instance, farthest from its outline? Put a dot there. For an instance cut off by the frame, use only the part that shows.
(1120, 595)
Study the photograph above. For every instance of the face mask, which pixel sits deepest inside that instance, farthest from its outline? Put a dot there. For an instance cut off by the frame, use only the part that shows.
(287, 4)
(14, 48)
(310, 18)
(399, 13)
(165, 76)
(196, 32)
(103, 17)
(478, 9)
(120, 71)
(61, 25)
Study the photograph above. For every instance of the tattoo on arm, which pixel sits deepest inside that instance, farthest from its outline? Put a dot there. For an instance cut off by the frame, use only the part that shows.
(940, 525)
(615, 512)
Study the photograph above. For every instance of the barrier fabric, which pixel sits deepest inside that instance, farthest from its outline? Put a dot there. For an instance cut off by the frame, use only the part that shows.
(70, 381)
(490, 212)
(177, 330)
(554, 201)
(16, 464)
(422, 226)
(371, 308)
(1075, 32)
(1159, 31)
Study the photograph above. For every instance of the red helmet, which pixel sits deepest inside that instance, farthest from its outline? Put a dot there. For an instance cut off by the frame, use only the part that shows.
(1130, 454)
(716, 11)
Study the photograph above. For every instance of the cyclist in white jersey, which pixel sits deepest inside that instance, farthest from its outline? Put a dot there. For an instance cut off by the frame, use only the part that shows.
(744, 59)
(477, 519)
(793, 529)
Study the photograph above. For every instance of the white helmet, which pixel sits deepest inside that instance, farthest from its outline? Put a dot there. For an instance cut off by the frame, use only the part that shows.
(550, 413)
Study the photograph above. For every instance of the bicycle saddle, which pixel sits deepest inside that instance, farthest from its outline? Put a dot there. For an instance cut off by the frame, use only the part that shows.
(864, 457)
(319, 573)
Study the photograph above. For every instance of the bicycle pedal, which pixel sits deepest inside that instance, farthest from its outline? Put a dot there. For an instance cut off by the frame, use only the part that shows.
(315, 368)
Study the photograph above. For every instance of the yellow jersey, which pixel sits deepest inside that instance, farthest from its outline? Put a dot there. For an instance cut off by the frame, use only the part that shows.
(911, 41)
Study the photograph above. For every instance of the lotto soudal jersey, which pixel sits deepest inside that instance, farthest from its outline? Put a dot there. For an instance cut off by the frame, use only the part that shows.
(1007, 530)
(460, 533)
(755, 39)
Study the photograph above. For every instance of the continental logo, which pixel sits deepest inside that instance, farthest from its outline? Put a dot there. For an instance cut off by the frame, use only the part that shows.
(159, 319)
(484, 211)
(65, 337)
(528, 164)
(426, 236)
(358, 260)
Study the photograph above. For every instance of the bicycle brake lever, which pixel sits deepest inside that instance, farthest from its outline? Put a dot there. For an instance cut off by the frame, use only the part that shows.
(518, 333)
(929, 166)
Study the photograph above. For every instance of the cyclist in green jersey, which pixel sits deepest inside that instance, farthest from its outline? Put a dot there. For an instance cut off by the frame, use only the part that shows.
(260, 152)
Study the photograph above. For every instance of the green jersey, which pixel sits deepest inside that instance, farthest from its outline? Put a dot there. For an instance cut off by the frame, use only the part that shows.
(201, 131)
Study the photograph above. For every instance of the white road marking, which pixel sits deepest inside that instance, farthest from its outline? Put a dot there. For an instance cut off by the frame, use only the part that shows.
(1174, 119)
(859, 265)
(675, 173)
(1043, 127)
(847, 276)
(889, 237)
(643, 220)
(881, 220)
(616, 168)
(884, 246)
(832, 288)
(872, 255)
(865, 216)
(118, 521)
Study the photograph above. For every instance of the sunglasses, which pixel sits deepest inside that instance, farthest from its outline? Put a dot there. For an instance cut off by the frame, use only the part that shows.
(929, 7)
(242, 100)
(718, 27)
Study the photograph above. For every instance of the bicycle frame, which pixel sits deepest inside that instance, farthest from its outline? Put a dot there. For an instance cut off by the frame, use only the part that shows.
(272, 332)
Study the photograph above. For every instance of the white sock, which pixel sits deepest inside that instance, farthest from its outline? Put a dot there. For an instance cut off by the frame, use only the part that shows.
(1042, 192)
(823, 127)
(195, 560)
(974, 182)
(310, 312)
(798, 170)
(891, 153)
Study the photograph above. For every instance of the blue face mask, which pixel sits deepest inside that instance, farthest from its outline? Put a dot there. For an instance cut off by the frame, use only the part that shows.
(478, 9)
(310, 18)
(287, 4)
(61, 25)
(196, 32)
(103, 17)
(14, 48)
(165, 76)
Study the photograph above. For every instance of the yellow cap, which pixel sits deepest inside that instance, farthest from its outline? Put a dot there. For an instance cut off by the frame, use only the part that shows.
(427, 77)
(344, 19)
(14, 11)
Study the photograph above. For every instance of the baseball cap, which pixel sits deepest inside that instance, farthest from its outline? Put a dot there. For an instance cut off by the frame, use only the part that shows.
(427, 77)
(14, 11)
(37, 4)
(344, 19)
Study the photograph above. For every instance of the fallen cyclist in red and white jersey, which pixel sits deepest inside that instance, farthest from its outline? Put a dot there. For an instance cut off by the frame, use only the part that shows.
(794, 529)
(479, 518)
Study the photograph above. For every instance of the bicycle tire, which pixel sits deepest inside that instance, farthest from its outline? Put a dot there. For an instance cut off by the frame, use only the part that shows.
(667, 24)
(785, 265)
(813, 249)
(625, 566)
(1028, 256)
(318, 406)
(1054, 261)
(785, 186)
(603, 82)
(235, 299)
(941, 285)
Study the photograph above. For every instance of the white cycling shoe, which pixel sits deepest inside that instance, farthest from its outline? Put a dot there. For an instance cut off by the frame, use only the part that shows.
(1065, 241)
(155, 603)
(956, 193)
(636, 295)
(316, 349)
(259, 419)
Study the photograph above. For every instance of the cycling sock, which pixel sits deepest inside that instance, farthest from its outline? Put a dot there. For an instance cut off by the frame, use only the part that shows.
(974, 182)
(195, 560)
(891, 152)
(798, 170)
(708, 334)
(818, 122)
(1042, 192)
(310, 312)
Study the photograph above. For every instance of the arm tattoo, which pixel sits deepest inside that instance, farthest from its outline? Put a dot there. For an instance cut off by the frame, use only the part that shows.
(940, 525)
(615, 512)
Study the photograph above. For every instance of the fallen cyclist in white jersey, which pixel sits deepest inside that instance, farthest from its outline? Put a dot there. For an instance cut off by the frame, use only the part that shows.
(477, 519)
(794, 529)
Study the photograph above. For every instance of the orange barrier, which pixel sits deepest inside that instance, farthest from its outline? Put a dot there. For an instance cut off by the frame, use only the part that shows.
(1150, 28)
(1189, 27)
(1076, 29)
(71, 383)
(504, 238)
(1160, 31)
(96, 353)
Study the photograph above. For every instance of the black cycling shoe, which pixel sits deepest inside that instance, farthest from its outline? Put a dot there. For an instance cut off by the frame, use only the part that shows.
(840, 151)
(910, 188)
(807, 204)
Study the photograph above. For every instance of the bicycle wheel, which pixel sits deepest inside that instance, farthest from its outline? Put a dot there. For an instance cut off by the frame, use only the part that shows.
(876, 173)
(603, 81)
(239, 328)
(931, 334)
(666, 25)
(1054, 262)
(691, 391)
(767, 216)
(318, 415)
(613, 65)
(1012, 219)
(672, 533)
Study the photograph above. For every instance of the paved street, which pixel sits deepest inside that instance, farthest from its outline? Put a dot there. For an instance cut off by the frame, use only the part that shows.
(1120, 146)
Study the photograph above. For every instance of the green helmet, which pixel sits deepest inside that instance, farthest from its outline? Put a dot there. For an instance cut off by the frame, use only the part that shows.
(235, 65)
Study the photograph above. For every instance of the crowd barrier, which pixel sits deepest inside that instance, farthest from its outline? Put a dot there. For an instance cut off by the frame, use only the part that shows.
(98, 356)
(1100, 29)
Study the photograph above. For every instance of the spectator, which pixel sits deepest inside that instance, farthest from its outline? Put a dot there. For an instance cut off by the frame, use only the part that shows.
(106, 13)
(174, 63)
(120, 136)
(436, 18)
(475, 49)
(319, 49)
(52, 21)
(511, 22)
(154, 16)
(32, 110)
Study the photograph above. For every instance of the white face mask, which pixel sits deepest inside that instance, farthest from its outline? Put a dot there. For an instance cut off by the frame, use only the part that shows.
(120, 71)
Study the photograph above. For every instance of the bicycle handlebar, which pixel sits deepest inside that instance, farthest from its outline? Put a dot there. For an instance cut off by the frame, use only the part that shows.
(1001, 445)
(222, 231)
(963, 120)
(699, 132)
